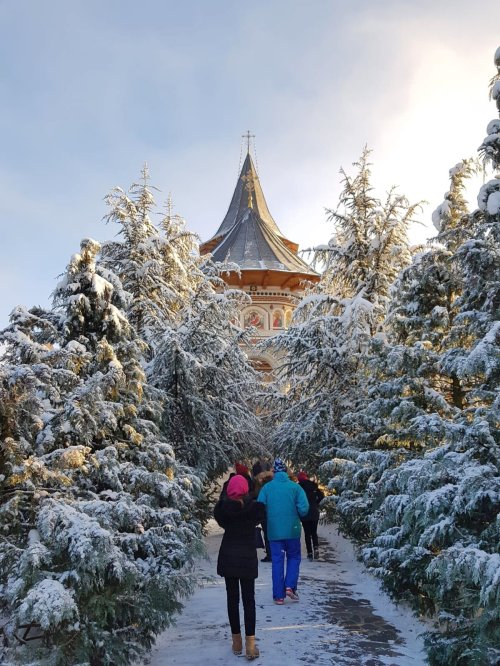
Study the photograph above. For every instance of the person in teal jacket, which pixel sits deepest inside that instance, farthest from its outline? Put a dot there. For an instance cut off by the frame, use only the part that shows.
(286, 502)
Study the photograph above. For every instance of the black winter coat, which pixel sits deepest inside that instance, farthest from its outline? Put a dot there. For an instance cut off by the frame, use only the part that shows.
(238, 554)
(314, 497)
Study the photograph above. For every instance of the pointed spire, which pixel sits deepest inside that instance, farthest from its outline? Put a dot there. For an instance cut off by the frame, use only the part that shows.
(248, 195)
(250, 235)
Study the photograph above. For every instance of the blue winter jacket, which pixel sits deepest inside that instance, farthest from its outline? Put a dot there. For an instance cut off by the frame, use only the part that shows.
(286, 502)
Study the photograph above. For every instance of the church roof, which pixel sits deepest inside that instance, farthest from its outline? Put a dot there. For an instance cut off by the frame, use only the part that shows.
(249, 236)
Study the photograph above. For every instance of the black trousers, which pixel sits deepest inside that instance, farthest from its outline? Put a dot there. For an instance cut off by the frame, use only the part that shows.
(233, 604)
(311, 535)
(266, 540)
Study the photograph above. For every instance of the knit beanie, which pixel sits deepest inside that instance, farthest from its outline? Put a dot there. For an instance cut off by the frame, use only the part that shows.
(241, 469)
(302, 476)
(237, 487)
(279, 466)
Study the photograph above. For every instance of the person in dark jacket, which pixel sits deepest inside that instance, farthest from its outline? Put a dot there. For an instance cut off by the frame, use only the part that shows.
(243, 471)
(237, 563)
(259, 466)
(310, 520)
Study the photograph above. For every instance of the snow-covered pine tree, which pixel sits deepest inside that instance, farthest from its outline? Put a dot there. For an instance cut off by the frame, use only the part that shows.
(327, 343)
(198, 362)
(151, 262)
(370, 243)
(96, 514)
(181, 260)
(408, 393)
(210, 409)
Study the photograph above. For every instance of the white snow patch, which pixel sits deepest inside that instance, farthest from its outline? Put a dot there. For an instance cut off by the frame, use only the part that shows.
(101, 286)
(48, 603)
(493, 203)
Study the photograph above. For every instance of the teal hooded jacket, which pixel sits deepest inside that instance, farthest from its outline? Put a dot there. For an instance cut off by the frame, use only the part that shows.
(286, 502)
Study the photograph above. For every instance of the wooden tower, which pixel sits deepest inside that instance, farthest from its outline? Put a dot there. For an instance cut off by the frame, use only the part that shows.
(271, 271)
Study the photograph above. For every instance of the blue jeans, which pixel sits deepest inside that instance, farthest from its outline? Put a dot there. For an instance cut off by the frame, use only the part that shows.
(289, 548)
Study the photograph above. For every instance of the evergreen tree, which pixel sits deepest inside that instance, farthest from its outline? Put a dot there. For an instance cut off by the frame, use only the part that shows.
(370, 244)
(210, 409)
(197, 361)
(409, 398)
(97, 515)
(326, 345)
(407, 386)
(151, 262)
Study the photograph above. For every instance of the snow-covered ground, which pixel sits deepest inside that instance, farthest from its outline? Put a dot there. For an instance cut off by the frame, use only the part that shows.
(343, 617)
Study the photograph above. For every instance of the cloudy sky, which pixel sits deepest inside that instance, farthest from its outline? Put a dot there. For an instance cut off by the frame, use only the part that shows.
(92, 89)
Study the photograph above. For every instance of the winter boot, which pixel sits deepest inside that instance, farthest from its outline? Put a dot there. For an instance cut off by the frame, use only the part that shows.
(252, 651)
(316, 554)
(237, 644)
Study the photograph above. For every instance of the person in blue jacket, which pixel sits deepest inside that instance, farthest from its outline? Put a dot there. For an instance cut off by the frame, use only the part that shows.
(285, 502)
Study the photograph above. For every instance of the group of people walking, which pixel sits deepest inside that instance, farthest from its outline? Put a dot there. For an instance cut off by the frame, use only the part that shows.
(282, 506)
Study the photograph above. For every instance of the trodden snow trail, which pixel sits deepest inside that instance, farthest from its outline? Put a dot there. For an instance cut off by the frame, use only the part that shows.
(343, 617)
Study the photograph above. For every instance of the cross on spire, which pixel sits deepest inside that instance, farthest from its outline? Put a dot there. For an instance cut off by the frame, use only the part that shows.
(248, 137)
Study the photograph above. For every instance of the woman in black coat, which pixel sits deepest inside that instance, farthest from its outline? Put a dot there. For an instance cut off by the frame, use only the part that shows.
(237, 562)
(311, 519)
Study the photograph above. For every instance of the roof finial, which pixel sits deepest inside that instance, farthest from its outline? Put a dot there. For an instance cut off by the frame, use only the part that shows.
(248, 137)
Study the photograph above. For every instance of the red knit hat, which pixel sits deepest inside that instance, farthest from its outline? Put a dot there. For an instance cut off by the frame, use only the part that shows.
(241, 469)
(237, 487)
(302, 476)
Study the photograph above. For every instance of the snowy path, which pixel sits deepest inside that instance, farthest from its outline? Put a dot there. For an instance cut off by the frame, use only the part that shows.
(343, 618)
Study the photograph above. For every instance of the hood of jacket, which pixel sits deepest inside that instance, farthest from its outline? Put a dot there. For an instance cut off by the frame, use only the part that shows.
(281, 477)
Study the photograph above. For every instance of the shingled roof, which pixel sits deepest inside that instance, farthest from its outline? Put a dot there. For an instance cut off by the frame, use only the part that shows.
(249, 236)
